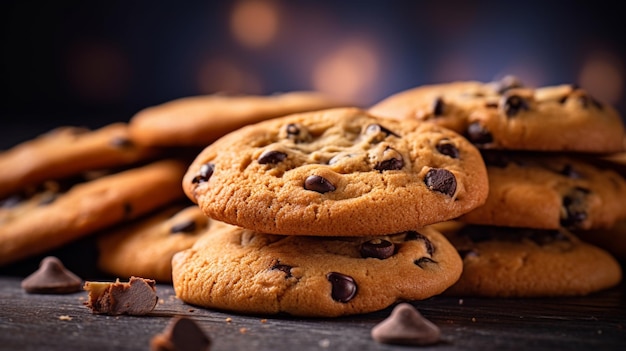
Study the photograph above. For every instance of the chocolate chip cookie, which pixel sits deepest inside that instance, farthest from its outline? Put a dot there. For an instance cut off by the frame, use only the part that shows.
(87, 207)
(145, 247)
(506, 115)
(337, 172)
(67, 151)
(235, 269)
(199, 120)
(548, 192)
(521, 262)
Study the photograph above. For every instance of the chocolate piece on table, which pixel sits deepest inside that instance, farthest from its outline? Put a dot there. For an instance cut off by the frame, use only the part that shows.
(406, 326)
(181, 334)
(137, 297)
(52, 278)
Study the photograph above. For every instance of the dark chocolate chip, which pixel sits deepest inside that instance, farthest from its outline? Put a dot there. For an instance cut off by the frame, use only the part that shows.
(413, 235)
(319, 184)
(182, 333)
(514, 104)
(121, 142)
(297, 133)
(377, 248)
(283, 268)
(441, 180)
(52, 278)
(438, 107)
(569, 171)
(478, 134)
(344, 287)
(187, 226)
(205, 173)
(422, 261)
(392, 162)
(271, 156)
(445, 147)
(575, 207)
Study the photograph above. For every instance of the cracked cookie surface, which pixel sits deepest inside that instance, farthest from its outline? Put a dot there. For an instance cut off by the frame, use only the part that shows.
(337, 172)
(235, 269)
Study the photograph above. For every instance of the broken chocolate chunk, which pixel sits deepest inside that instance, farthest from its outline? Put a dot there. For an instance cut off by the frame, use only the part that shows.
(182, 333)
(187, 226)
(319, 184)
(343, 287)
(283, 268)
(478, 134)
(205, 173)
(51, 278)
(406, 326)
(271, 157)
(514, 104)
(445, 147)
(441, 180)
(392, 161)
(137, 297)
(377, 248)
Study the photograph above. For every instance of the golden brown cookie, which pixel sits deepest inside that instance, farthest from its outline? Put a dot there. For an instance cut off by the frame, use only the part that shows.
(549, 191)
(144, 248)
(611, 239)
(337, 172)
(88, 207)
(67, 151)
(199, 120)
(521, 262)
(239, 270)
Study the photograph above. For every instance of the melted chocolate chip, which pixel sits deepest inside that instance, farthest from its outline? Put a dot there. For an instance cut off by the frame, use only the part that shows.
(283, 268)
(205, 173)
(445, 147)
(514, 104)
(187, 226)
(377, 248)
(478, 134)
(575, 207)
(319, 184)
(271, 157)
(438, 107)
(422, 261)
(182, 333)
(441, 180)
(344, 287)
(393, 161)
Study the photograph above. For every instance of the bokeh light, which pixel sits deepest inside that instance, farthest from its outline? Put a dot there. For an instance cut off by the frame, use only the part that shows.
(602, 74)
(226, 76)
(254, 23)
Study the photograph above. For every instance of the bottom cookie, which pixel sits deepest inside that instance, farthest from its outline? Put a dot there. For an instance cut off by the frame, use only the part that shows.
(238, 270)
(519, 262)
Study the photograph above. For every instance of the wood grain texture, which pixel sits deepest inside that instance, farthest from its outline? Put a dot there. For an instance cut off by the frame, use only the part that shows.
(62, 322)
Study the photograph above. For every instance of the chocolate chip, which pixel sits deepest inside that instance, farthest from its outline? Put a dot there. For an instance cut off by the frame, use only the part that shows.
(438, 107)
(121, 142)
(514, 104)
(137, 297)
(441, 180)
(187, 226)
(182, 333)
(575, 208)
(377, 248)
(205, 173)
(283, 268)
(271, 156)
(52, 278)
(445, 147)
(413, 235)
(378, 133)
(392, 160)
(406, 326)
(569, 171)
(478, 134)
(420, 262)
(319, 184)
(297, 133)
(343, 287)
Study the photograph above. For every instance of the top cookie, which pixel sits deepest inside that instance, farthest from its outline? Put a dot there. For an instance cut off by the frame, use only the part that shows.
(337, 172)
(504, 115)
(199, 120)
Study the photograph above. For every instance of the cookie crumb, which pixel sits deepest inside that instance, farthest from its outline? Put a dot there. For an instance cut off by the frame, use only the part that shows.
(406, 326)
(65, 318)
(263, 320)
(181, 334)
(229, 320)
(243, 330)
(473, 319)
(137, 297)
(460, 301)
(52, 278)
(324, 343)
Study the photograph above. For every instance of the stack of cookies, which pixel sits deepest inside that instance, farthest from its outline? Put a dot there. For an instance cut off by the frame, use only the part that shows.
(542, 148)
(325, 214)
(121, 183)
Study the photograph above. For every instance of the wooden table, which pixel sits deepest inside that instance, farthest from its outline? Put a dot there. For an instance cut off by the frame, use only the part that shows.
(62, 322)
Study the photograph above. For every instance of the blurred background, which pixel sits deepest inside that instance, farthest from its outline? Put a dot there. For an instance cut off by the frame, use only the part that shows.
(90, 63)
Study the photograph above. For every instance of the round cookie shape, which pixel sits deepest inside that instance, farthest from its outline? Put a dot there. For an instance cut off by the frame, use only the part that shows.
(144, 247)
(549, 192)
(337, 172)
(235, 269)
(199, 120)
(522, 262)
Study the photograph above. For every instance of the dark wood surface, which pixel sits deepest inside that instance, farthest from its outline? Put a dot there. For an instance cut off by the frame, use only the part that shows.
(62, 322)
